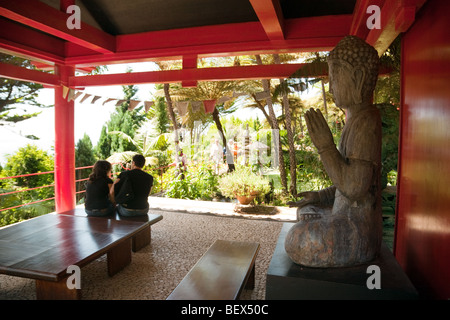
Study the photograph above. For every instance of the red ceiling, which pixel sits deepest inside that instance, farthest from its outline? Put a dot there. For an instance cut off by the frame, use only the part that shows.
(38, 30)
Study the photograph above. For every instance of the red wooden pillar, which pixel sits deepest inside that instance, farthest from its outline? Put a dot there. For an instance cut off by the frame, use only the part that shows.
(64, 144)
(422, 226)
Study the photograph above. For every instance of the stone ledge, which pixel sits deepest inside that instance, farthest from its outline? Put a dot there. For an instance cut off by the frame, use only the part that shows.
(289, 281)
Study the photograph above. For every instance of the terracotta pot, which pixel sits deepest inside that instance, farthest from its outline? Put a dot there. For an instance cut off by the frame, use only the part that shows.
(245, 199)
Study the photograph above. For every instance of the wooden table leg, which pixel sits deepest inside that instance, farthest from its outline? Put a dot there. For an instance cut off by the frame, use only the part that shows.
(251, 279)
(142, 239)
(50, 290)
(119, 257)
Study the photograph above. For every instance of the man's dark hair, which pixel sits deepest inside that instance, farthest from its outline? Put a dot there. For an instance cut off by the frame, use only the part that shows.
(139, 160)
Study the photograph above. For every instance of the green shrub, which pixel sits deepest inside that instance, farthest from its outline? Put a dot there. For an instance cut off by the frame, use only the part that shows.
(28, 159)
(242, 182)
(196, 182)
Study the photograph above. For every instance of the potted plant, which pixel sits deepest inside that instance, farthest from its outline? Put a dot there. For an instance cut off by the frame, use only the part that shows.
(243, 184)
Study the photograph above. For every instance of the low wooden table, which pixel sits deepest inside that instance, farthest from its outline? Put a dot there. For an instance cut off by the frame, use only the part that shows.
(221, 273)
(43, 248)
(140, 239)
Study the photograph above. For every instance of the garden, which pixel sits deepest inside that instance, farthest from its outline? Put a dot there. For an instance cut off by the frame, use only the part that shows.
(263, 152)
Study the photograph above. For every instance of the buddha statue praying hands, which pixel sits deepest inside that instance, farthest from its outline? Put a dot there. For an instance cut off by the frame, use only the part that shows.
(342, 225)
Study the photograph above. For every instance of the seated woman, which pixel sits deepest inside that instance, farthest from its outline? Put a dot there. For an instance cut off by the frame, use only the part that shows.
(98, 202)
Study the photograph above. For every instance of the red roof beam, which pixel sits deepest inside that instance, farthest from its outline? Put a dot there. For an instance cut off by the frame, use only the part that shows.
(11, 71)
(303, 34)
(18, 40)
(212, 50)
(359, 23)
(234, 33)
(50, 67)
(271, 17)
(189, 62)
(201, 74)
(42, 17)
(396, 17)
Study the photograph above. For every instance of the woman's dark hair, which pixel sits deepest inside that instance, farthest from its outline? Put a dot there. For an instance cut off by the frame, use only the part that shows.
(100, 170)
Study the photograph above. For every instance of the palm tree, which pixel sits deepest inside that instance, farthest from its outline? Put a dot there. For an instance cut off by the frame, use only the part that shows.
(275, 126)
(287, 113)
(297, 108)
(213, 90)
(166, 66)
(147, 141)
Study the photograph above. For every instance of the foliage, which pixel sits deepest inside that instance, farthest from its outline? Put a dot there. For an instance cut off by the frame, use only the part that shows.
(209, 90)
(14, 92)
(280, 198)
(28, 159)
(200, 182)
(148, 142)
(22, 213)
(84, 156)
(387, 99)
(311, 174)
(122, 120)
(159, 113)
(242, 182)
(387, 89)
(389, 150)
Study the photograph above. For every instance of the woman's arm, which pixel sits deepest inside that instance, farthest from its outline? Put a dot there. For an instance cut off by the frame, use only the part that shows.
(111, 190)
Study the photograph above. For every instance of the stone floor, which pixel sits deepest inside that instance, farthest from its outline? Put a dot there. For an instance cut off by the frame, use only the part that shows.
(178, 241)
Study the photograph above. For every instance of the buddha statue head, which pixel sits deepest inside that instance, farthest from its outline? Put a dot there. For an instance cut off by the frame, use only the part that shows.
(353, 70)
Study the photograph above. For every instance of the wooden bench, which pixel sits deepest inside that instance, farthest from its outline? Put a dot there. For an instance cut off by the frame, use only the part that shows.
(221, 273)
(141, 239)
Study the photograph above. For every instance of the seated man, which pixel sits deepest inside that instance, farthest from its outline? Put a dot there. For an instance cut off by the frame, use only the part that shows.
(141, 184)
(342, 225)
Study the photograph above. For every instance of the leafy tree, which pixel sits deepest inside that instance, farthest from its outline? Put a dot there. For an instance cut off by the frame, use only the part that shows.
(290, 135)
(387, 99)
(147, 141)
(28, 159)
(213, 90)
(170, 108)
(14, 92)
(84, 156)
(159, 112)
(124, 120)
(275, 126)
(389, 151)
(387, 89)
(103, 148)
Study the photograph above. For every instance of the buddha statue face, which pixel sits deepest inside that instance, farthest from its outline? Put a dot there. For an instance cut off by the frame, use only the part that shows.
(345, 85)
(353, 71)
